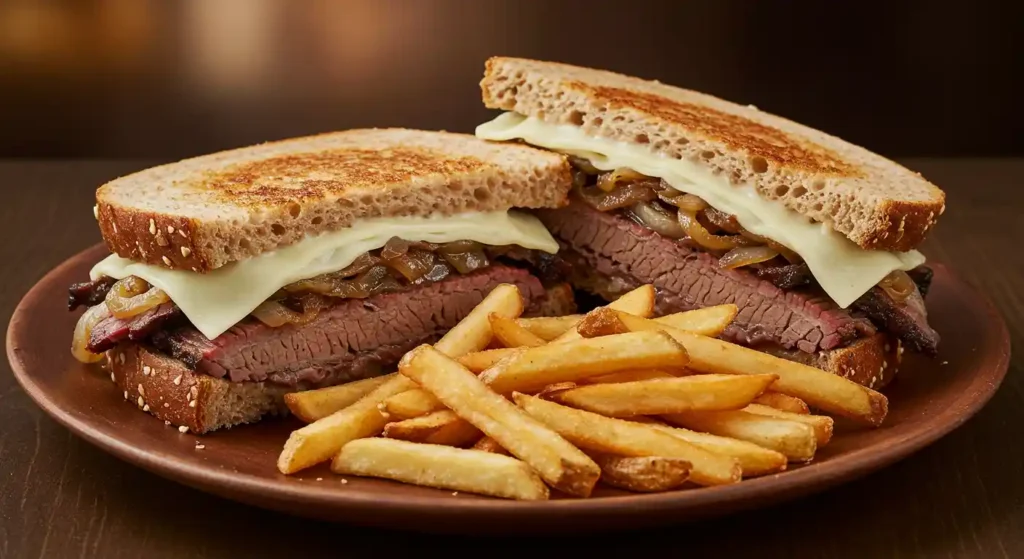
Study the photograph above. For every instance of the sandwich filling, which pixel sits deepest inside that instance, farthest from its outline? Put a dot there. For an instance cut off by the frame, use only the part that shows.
(638, 217)
(296, 284)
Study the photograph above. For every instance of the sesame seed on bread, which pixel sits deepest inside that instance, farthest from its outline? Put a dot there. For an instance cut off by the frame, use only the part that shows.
(875, 202)
(165, 388)
(201, 213)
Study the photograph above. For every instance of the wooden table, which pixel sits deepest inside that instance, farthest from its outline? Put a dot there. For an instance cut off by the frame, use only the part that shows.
(962, 497)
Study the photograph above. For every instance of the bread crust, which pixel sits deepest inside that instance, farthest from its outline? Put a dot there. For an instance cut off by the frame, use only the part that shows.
(165, 388)
(875, 202)
(201, 213)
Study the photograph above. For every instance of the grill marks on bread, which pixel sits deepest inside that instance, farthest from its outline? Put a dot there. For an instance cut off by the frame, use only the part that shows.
(323, 175)
(730, 130)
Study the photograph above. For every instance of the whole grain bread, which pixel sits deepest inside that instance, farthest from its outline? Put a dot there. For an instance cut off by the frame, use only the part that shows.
(201, 213)
(875, 202)
(165, 388)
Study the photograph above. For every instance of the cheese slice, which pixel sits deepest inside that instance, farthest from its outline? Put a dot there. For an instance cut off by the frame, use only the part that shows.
(217, 300)
(844, 270)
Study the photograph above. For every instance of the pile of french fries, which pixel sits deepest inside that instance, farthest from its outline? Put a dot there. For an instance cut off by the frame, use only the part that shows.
(509, 407)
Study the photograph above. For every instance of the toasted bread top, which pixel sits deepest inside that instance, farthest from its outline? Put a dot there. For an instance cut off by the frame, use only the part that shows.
(875, 202)
(201, 213)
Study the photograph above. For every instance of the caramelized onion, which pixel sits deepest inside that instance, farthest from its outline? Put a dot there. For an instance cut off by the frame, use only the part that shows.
(83, 331)
(456, 247)
(413, 264)
(622, 197)
(898, 285)
(700, 235)
(276, 313)
(584, 165)
(622, 176)
(466, 262)
(745, 256)
(656, 219)
(687, 202)
(723, 221)
(371, 282)
(362, 263)
(394, 248)
(132, 296)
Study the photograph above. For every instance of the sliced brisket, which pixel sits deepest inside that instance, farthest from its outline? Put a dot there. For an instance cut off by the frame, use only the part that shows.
(89, 293)
(109, 331)
(624, 255)
(357, 338)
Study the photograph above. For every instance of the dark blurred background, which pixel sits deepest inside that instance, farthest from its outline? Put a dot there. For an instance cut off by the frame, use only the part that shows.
(169, 79)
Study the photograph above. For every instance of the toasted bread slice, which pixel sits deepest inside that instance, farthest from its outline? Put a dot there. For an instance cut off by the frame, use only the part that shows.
(875, 202)
(202, 213)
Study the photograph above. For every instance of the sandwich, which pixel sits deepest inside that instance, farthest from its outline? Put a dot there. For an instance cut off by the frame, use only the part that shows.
(237, 277)
(813, 238)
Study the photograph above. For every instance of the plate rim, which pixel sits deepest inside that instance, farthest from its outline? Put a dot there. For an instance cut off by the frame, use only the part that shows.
(295, 493)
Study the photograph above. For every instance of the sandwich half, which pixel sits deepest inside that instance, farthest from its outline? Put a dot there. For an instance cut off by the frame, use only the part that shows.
(240, 276)
(811, 237)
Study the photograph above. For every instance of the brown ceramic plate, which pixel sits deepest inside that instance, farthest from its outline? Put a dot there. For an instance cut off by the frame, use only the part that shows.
(929, 398)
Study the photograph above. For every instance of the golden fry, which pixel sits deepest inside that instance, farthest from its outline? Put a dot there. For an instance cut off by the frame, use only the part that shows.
(642, 474)
(538, 367)
(487, 444)
(559, 463)
(822, 424)
(627, 438)
(511, 334)
(322, 439)
(818, 388)
(666, 395)
(795, 440)
(443, 467)
(549, 327)
(783, 402)
(639, 302)
(311, 405)
(440, 427)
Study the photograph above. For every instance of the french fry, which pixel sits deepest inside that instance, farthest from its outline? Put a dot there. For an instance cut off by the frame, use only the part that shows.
(783, 402)
(473, 332)
(538, 367)
(559, 463)
(487, 444)
(639, 302)
(602, 321)
(595, 432)
(553, 389)
(629, 376)
(822, 424)
(311, 405)
(549, 327)
(818, 388)
(754, 460)
(666, 395)
(480, 361)
(795, 440)
(709, 321)
(511, 334)
(642, 474)
(443, 467)
(411, 403)
(322, 439)
(440, 427)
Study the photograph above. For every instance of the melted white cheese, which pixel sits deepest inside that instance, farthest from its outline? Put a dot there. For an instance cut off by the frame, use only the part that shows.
(216, 300)
(844, 270)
